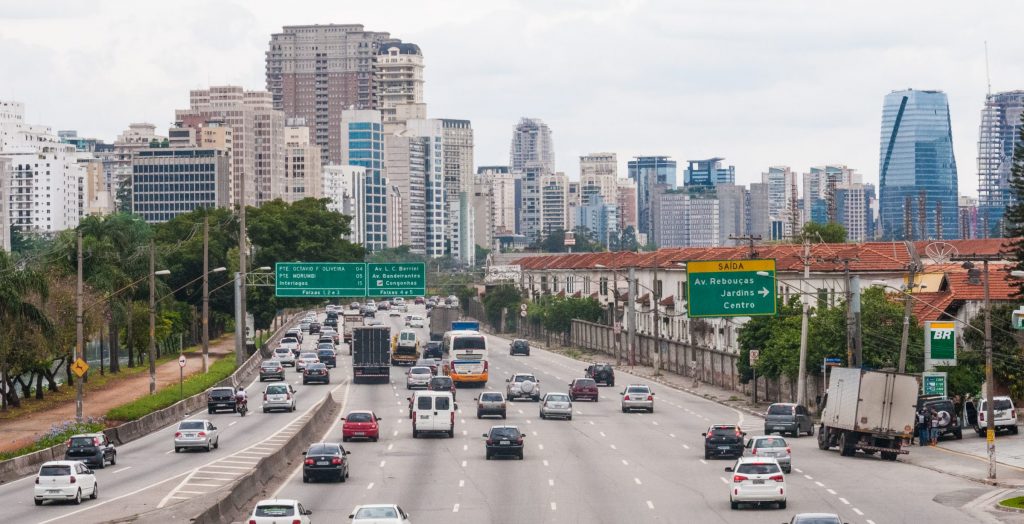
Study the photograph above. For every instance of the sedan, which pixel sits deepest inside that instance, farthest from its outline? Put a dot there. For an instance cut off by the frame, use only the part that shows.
(415, 321)
(491, 403)
(816, 518)
(418, 377)
(64, 480)
(284, 356)
(756, 481)
(431, 363)
(276, 511)
(360, 424)
(279, 396)
(304, 359)
(767, 446)
(328, 356)
(201, 434)
(271, 370)
(504, 440)
(316, 372)
(637, 396)
(556, 405)
(380, 514)
(583, 388)
(325, 460)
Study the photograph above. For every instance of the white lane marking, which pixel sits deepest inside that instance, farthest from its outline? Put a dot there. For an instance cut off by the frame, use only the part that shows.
(396, 433)
(844, 501)
(808, 477)
(166, 453)
(831, 491)
(462, 421)
(370, 486)
(869, 521)
(545, 463)
(465, 447)
(462, 483)
(602, 433)
(624, 462)
(455, 508)
(553, 506)
(520, 412)
(820, 485)
(673, 435)
(551, 482)
(591, 422)
(528, 421)
(655, 422)
(702, 461)
(535, 433)
(857, 511)
(464, 463)
(108, 501)
(637, 481)
(233, 423)
(724, 481)
(382, 463)
(464, 433)
(540, 446)
(118, 471)
(613, 446)
(650, 504)
(390, 446)
(685, 446)
(798, 470)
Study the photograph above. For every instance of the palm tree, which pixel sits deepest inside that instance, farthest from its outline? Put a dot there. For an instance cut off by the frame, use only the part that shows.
(17, 313)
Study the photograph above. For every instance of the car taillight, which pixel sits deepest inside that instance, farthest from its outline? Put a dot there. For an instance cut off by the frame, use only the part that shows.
(296, 521)
(264, 396)
(650, 397)
(490, 442)
(626, 397)
(1013, 413)
(335, 461)
(776, 478)
(738, 478)
(95, 441)
(309, 462)
(753, 451)
(453, 418)
(177, 434)
(519, 440)
(788, 451)
(252, 521)
(72, 480)
(202, 433)
(981, 416)
(485, 365)
(67, 443)
(738, 434)
(287, 396)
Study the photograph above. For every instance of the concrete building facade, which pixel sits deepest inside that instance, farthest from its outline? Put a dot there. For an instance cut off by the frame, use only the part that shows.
(168, 182)
(504, 196)
(783, 197)
(303, 173)
(532, 146)
(554, 198)
(398, 78)
(458, 187)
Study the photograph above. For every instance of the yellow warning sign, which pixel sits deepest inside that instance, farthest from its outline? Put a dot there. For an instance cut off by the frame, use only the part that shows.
(79, 367)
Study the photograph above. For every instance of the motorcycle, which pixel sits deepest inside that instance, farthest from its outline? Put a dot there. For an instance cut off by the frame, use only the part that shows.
(243, 407)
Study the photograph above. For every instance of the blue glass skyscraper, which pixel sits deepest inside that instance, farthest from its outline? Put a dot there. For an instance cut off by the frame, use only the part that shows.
(363, 145)
(997, 138)
(917, 172)
(649, 172)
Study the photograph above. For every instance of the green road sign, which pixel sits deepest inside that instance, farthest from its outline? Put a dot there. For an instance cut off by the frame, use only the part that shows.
(730, 288)
(396, 280)
(933, 383)
(939, 344)
(320, 279)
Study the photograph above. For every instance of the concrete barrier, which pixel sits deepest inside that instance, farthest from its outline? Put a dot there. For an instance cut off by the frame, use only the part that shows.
(18, 467)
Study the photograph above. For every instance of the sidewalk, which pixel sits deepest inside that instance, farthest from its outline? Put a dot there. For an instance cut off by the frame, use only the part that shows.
(22, 431)
(968, 459)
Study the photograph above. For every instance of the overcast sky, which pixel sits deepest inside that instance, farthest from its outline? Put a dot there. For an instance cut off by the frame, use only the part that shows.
(781, 82)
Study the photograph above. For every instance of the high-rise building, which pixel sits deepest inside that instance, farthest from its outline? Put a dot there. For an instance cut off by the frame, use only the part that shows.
(430, 133)
(257, 137)
(819, 191)
(303, 174)
(554, 198)
(708, 172)
(599, 177)
(505, 198)
(5, 199)
(532, 146)
(600, 219)
(344, 186)
(168, 182)
(458, 187)
(759, 223)
(398, 75)
(650, 173)
(626, 201)
(852, 210)
(685, 218)
(405, 158)
(732, 213)
(783, 198)
(364, 146)
(482, 202)
(573, 200)
(917, 170)
(968, 214)
(999, 135)
(317, 71)
(529, 216)
(599, 164)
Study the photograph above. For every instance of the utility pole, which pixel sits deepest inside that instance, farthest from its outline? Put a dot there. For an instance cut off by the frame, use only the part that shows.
(801, 384)
(206, 293)
(80, 331)
(750, 239)
(908, 308)
(152, 317)
(656, 293)
(240, 332)
(631, 312)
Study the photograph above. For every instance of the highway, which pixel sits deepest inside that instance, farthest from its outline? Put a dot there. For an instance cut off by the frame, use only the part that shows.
(149, 474)
(603, 466)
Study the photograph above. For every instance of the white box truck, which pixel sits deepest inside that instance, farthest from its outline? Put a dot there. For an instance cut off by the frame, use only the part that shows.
(870, 411)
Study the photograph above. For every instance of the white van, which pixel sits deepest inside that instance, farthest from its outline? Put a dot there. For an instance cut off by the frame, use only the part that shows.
(433, 412)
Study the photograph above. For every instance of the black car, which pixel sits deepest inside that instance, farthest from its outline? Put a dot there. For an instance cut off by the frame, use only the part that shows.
(331, 322)
(723, 440)
(314, 327)
(442, 383)
(325, 460)
(433, 350)
(939, 404)
(519, 347)
(221, 399)
(504, 440)
(315, 373)
(94, 449)
(271, 370)
(328, 357)
(601, 373)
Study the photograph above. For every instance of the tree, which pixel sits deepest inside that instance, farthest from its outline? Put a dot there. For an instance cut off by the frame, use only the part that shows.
(505, 296)
(556, 313)
(831, 233)
(18, 313)
(1007, 357)
(481, 254)
(1014, 214)
(756, 333)
(554, 242)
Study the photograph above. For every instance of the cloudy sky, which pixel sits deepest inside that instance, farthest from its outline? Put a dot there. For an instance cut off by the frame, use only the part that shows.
(788, 82)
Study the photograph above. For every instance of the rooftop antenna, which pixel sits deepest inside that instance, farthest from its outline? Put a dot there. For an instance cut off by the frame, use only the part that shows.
(988, 77)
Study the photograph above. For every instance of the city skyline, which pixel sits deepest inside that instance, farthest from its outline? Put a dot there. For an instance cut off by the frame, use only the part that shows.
(754, 125)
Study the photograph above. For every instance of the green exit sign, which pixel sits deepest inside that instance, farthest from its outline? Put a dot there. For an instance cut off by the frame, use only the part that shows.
(730, 288)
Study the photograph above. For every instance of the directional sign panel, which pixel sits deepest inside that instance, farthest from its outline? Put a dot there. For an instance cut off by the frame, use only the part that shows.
(320, 279)
(731, 288)
(396, 280)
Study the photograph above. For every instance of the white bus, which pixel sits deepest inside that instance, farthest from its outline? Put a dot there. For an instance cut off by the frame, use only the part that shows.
(467, 356)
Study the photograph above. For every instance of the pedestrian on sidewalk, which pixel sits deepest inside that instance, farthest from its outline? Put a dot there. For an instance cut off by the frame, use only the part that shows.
(934, 433)
(919, 428)
(925, 430)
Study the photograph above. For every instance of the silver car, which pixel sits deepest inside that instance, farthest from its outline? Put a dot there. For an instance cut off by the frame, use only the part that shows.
(279, 396)
(556, 405)
(637, 396)
(284, 356)
(198, 433)
(418, 377)
(306, 358)
(523, 385)
(770, 447)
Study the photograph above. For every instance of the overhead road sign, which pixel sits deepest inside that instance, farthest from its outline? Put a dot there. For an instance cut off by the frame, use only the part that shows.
(396, 280)
(730, 288)
(349, 279)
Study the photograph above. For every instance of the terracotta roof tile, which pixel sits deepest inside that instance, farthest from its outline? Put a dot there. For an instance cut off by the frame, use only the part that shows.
(930, 306)
(668, 301)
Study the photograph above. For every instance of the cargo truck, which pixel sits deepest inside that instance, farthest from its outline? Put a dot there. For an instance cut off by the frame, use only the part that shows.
(869, 411)
(350, 319)
(405, 348)
(441, 319)
(371, 354)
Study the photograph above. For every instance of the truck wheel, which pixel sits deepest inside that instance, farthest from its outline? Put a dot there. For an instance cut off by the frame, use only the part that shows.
(846, 445)
(822, 438)
(782, 505)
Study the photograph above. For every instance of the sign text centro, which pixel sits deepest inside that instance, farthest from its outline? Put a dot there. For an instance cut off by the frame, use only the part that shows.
(731, 288)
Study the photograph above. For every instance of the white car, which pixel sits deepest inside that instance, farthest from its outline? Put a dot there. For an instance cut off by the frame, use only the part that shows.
(757, 480)
(284, 356)
(523, 385)
(306, 358)
(295, 332)
(380, 514)
(198, 433)
(418, 377)
(279, 396)
(279, 511)
(65, 480)
(291, 343)
(415, 321)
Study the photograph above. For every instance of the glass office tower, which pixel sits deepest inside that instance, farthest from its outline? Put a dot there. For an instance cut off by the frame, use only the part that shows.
(997, 137)
(650, 172)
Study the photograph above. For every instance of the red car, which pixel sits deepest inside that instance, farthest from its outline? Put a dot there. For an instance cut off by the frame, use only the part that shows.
(360, 424)
(583, 388)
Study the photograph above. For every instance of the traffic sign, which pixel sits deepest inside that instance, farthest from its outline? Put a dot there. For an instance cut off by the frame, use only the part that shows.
(181, 361)
(320, 279)
(396, 280)
(754, 355)
(939, 344)
(522, 313)
(79, 367)
(730, 288)
(617, 328)
(934, 383)
(1017, 318)
(833, 361)
(522, 307)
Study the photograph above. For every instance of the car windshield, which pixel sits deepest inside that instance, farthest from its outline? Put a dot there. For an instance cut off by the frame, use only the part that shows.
(1001, 404)
(602, 367)
(316, 366)
(524, 378)
(328, 352)
(274, 510)
(54, 471)
(637, 389)
(282, 350)
(726, 431)
(192, 424)
(773, 442)
(270, 365)
(81, 442)
(558, 397)
(441, 382)
(326, 346)
(322, 449)
(277, 390)
(585, 382)
(520, 344)
(289, 340)
(498, 433)
(817, 520)
(308, 355)
(359, 417)
(420, 371)
(490, 397)
(432, 345)
(781, 409)
(469, 342)
(376, 513)
(765, 468)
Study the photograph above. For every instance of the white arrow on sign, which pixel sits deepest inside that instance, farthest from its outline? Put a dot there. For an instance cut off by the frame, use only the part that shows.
(181, 361)
(764, 292)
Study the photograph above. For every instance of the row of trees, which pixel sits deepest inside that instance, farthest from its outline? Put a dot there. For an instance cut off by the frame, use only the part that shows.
(38, 283)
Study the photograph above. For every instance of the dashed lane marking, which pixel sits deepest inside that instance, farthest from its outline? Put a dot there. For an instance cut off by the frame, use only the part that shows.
(613, 446)
(724, 481)
(685, 446)
(553, 506)
(820, 485)
(859, 512)
(455, 508)
(382, 463)
(625, 462)
(808, 477)
(545, 463)
(831, 491)
(121, 470)
(464, 463)
(638, 483)
(462, 483)
(702, 461)
(650, 504)
(551, 482)
(370, 486)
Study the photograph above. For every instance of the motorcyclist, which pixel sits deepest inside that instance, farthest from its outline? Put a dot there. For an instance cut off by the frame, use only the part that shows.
(242, 398)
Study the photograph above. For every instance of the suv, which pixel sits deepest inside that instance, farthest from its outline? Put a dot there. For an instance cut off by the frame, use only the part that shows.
(785, 418)
(1003, 412)
(490, 403)
(519, 347)
(601, 372)
(285, 356)
(504, 440)
(442, 383)
(94, 449)
(523, 385)
(294, 332)
(949, 424)
(756, 481)
(433, 350)
(583, 388)
(723, 440)
(221, 398)
(314, 327)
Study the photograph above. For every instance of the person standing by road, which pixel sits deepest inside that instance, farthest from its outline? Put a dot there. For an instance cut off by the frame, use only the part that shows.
(925, 421)
(919, 431)
(934, 433)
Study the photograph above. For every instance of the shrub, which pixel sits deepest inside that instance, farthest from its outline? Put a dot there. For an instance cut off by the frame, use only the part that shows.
(169, 395)
(58, 433)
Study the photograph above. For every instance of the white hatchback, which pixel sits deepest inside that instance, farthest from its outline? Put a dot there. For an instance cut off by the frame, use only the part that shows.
(65, 480)
(284, 356)
(380, 514)
(756, 481)
(275, 511)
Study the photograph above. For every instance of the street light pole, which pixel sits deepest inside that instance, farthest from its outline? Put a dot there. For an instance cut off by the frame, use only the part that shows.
(990, 433)
(240, 332)
(631, 311)
(801, 384)
(206, 293)
(152, 317)
(907, 310)
(79, 332)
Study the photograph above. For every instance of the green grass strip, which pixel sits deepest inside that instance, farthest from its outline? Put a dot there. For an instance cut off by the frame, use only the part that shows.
(1015, 502)
(169, 395)
(57, 434)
